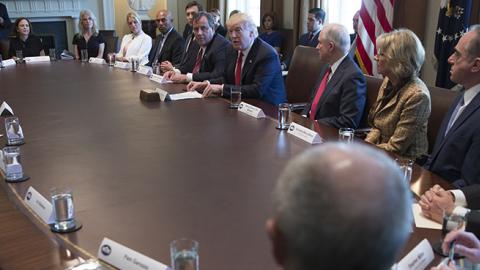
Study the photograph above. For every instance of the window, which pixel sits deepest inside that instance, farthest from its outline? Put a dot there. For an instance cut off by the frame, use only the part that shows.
(251, 7)
(341, 11)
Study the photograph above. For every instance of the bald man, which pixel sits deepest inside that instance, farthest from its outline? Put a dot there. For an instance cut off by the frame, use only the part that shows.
(169, 44)
(330, 212)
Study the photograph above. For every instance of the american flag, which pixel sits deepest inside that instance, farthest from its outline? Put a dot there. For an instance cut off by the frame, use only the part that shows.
(376, 17)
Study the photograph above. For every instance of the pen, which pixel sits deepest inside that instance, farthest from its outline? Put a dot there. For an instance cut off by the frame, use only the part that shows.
(451, 252)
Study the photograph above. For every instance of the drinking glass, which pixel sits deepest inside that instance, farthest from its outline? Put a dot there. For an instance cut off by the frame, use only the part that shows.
(19, 55)
(184, 254)
(406, 165)
(13, 167)
(451, 222)
(346, 134)
(62, 202)
(14, 131)
(235, 97)
(53, 54)
(111, 59)
(84, 55)
(284, 116)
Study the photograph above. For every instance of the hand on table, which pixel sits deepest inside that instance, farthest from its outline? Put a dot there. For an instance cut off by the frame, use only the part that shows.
(435, 201)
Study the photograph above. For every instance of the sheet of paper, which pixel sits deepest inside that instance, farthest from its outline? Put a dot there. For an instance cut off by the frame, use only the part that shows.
(186, 95)
(37, 59)
(423, 222)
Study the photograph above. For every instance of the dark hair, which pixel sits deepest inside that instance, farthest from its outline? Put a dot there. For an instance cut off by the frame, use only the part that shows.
(319, 14)
(192, 4)
(272, 16)
(207, 15)
(17, 22)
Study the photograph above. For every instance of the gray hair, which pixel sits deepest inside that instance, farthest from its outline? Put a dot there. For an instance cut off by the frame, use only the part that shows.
(244, 19)
(340, 201)
(404, 52)
(89, 13)
(338, 34)
(473, 47)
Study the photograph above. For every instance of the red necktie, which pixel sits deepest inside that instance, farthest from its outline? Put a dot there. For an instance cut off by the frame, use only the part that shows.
(318, 95)
(238, 69)
(310, 36)
(198, 61)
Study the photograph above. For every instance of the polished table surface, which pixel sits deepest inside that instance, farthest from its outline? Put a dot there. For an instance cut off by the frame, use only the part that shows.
(144, 174)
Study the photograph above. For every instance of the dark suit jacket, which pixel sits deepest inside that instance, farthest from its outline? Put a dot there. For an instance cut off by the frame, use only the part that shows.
(5, 28)
(213, 61)
(303, 40)
(261, 74)
(172, 49)
(187, 31)
(189, 55)
(456, 156)
(473, 222)
(343, 101)
(221, 30)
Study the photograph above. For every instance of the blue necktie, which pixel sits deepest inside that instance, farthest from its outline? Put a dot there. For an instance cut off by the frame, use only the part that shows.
(456, 113)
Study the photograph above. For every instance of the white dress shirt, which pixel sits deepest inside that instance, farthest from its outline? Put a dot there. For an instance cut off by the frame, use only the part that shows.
(136, 46)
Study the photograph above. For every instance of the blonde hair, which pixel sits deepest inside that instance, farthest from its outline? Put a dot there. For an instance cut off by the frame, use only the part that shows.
(89, 13)
(244, 19)
(134, 16)
(403, 51)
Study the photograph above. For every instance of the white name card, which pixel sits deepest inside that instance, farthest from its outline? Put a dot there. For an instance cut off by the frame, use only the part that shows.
(145, 70)
(98, 61)
(159, 79)
(9, 62)
(251, 110)
(125, 258)
(304, 133)
(122, 65)
(37, 59)
(2, 162)
(5, 109)
(41, 206)
(417, 259)
(164, 96)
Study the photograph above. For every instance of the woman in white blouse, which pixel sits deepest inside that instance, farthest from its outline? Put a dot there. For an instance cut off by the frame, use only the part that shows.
(137, 44)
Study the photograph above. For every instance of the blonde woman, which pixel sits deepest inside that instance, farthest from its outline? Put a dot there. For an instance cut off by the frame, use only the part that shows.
(399, 117)
(137, 44)
(88, 39)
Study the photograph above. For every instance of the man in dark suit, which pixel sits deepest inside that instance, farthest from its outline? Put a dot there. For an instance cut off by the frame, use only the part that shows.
(315, 20)
(456, 154)
(338, 98)
(5, 25)
(252, 65)
(210, 57)
(191, 9)
(168, 45)
(339, 201)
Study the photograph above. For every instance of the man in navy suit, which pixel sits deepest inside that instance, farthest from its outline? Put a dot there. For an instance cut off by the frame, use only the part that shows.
(251, 65)
(168, 45)
(456, 154)
(338, 98)
(210, 57)
(316, 17)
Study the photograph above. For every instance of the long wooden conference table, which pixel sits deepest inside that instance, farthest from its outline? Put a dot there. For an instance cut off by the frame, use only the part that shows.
(144, 174)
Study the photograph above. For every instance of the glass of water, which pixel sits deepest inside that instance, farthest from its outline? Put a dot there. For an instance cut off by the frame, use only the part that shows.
(84, 55)
(19, 55)
(284, 116)
(111, 59)
(14, 131)
(235, 97)
(11, 160)
(184, 254)
(62, 202)
(346, 134)
(406, 165)
(53, 54)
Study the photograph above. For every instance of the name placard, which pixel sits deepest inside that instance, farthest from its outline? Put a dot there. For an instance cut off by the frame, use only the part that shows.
(5, 109)
(98, 61)
(158, 78)
(122, 65)
(37, 59)
(41, 206)
(123, 257)
(9, 62)
(145, 70)
(417, 259)
(251, 110)
(164, 96)
(2, 162)
(304, 133)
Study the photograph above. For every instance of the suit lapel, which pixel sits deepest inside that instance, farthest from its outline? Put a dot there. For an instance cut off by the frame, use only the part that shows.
(467, 112)
(336, 78)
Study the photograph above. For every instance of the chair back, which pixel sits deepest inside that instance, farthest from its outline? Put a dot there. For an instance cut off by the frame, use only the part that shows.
(373, 85)
(303, 74)
(111, 45)
(441, 99)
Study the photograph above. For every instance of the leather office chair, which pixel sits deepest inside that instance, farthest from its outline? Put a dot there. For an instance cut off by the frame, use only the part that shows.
(373, 85)
(48, 42)
(107, 33)
(441, 99)
(111, 45)
(303, 74)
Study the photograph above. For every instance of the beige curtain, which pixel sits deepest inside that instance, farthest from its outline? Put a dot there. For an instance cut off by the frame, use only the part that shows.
(300, 14)
(273, 6)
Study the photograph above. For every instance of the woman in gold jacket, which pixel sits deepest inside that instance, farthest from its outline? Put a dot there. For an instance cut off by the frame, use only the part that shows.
(399, 117)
